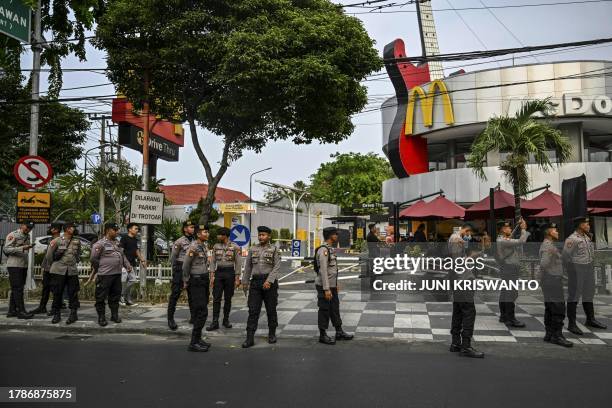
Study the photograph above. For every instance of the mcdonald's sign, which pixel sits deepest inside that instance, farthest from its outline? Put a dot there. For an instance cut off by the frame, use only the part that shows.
(417, 93)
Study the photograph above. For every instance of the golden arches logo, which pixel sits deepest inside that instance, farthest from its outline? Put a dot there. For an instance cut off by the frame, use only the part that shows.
(427, 105)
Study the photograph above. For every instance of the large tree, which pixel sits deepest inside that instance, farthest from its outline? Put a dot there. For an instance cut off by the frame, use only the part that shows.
(249, 71)
(350, 178)
(523, 138)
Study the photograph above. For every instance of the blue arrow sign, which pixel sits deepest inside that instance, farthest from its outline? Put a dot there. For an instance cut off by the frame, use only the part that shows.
(240, 235)
(95, 218)
(296, 245)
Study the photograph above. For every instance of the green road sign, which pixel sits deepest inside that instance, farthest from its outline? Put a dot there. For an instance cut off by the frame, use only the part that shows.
(15, 19)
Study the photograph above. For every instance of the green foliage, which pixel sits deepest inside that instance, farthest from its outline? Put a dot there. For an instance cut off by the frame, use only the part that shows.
(196, 213)
(248, 71)
(351, 178)
(169, 230)
(274, 235)
(285, 233)
(522, 137)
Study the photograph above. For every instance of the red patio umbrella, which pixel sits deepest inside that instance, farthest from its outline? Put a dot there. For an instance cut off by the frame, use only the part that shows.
(408, 212)
(504, 207)
(600, 196)
(439, 208)
(548, 200)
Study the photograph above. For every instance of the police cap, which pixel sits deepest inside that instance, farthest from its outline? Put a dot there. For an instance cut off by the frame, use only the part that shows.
(502, 224)
(29, 224)
(188, 223)
(202, 227)
(223, 231)
(580, 220)
(263, 228)
(545, 227)
(111, 225)
(329, 231)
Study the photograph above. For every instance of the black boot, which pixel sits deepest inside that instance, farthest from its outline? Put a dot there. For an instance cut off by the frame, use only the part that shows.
(511, 317)
(214, 325)
(50, 313)
(73, 316)
(455, 344)
(12, 311)
(250, 340)
(102, 319)
(547, 336)
(56, 317)
(196, 344)
(468, 351)
(342, 335)
(572, 327)
(502, 312)
(558, 338)
(115, 316)
(226, 323)
(39, 310)
(325, 339)
(171, 323)
(589, 311)
(272, 335)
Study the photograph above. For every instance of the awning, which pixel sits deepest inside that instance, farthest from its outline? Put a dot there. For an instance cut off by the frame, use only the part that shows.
(548, 200)
(438, 208)
(414, 208)
(504, 207)
(600, 196)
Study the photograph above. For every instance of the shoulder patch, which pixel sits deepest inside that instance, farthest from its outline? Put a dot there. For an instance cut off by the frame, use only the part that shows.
(569, 243)
(325, 252)
(10, 236)
(190, 253)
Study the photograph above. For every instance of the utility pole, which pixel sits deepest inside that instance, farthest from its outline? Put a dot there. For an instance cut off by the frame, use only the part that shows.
(144, 235)
(34, 116)
(101, 202)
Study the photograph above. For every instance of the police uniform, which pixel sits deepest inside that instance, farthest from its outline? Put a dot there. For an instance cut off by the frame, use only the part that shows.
(551, 278)
(195, 275)
(327, 280)
(225, 266)
(15, 248)
(464, 310)
(179, 249)
(46, 276)
(509, 257)
(63, 254)
(578, 255)
(262, 265)
(107, 258)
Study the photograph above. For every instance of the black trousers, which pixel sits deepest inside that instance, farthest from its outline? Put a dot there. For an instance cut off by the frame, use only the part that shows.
(72, 286)
(107, 287)
(257, 296)
(175, 289)
(223, 286)
(17, 280)
(198, 291)
(46, 289)
(507, 297)
(464, 314)
(328, 309)
(554, 305)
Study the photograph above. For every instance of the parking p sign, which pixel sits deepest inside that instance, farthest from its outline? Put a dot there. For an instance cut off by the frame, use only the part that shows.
(295, 247)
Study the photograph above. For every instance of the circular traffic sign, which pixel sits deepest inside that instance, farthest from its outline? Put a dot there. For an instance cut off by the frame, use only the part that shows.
(33, 171)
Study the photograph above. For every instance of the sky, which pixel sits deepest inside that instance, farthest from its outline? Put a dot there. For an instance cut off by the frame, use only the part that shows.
(458, 31)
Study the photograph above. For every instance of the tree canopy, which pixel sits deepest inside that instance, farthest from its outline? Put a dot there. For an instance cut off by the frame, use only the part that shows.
(249, 71)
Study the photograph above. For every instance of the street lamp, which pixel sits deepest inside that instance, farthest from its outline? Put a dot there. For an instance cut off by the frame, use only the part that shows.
(294, 195)
(251, 192)
(101, 146)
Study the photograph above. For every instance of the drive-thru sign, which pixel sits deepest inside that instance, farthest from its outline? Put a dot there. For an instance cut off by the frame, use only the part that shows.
(147, 207)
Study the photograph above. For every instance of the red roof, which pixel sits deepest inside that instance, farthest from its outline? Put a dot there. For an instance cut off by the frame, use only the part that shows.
(601, 196)
(551, 203)
(181, 194)
(407, 212)
(504, 207)
(442, 207)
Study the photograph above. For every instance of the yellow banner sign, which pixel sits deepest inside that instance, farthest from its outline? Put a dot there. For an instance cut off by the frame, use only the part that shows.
(238, 208)
(417, 93)
(26, 199)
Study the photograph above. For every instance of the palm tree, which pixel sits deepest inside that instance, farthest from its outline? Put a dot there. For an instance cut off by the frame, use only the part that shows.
(523, 137)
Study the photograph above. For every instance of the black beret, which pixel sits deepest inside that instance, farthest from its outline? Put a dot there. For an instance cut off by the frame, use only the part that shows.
(265, 229)
(69, 224)
(29, 224)
(502, 224)
(187, 224)
(329, 231)
(580, 220)
(111, 225)
(549, 225)
(223, 231)
(202, 228)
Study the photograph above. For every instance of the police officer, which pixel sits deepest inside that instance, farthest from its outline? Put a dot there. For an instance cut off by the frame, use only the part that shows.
(63, 254)
(225, 269)
(551, 270)
(578, 255)
(107, 260)
(16, 247)
(509, 256)
(196, 281)
(260, 281)
(179, 249)
(326, 283)
(54, 230)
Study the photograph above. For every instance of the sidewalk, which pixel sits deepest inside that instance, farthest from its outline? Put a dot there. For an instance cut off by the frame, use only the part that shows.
(406, 317)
